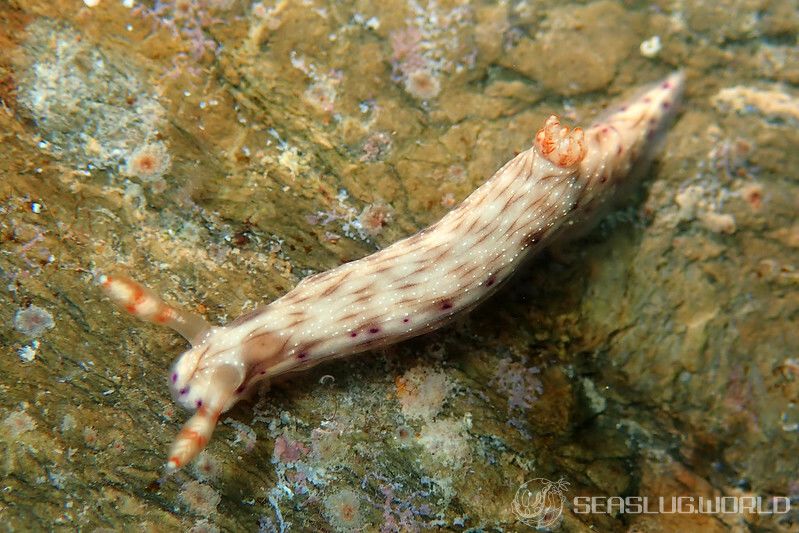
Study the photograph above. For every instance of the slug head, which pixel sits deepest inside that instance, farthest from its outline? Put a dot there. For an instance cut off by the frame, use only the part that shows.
(206, 379)
(209, 374)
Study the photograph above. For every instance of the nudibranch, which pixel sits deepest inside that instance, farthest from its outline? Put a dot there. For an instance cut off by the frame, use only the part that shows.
(417, 284)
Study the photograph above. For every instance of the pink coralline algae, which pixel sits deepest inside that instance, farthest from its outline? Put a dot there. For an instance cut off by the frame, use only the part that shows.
(33, 321)
(189, 20)
(374, 217)
(322, 92)
(206, 467)
(343, 510)
(19, 422)
(422, 392)
(288, 451)
(411, 66)
(200, 498)
(519, 383)
(430, 48)
(422, 84)
(401, 512)
(375, 147)
(149, 162)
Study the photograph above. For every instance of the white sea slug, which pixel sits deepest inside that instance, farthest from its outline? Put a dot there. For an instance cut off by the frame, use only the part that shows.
(419, 283)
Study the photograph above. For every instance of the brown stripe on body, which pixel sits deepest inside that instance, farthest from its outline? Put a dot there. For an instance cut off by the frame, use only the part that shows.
(440, 256)
(521, 221)
(332, 288)
(296, 322)
(383, 268)
(365, 297)
(466, 269)
(266, 346)
(295, 314)
(246, 317)
(533, 238)
(485, 236)
(406, 301)
(437, 247)
(521, 166)
(514, 198)
(488, 226)
(496, 191)
(420, 269)
(456, 217)
(296, 296)
(471, 227)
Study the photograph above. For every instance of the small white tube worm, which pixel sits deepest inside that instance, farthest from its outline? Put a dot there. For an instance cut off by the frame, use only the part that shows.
(419, 283)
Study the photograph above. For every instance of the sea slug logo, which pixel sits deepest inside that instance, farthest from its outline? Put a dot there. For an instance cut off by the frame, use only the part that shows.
(539, 502)
(774, 505)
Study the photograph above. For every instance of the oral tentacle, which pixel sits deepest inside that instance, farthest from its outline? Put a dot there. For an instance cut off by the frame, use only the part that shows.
(144, 304)
(192, 438)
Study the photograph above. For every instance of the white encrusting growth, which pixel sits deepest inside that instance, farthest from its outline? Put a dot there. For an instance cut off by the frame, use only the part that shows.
(420, 282)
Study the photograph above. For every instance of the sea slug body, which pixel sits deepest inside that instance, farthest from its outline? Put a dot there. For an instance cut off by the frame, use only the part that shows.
(417, 284)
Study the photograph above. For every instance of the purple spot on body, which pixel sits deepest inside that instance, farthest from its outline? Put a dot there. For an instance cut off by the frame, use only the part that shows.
(183, 391)
(353, 334)
(240, 389)
(446, 305)
(490, 281)
(175, 377)
(198, 403)
(406, 319)
(263, 372)
(666, 85)
(623, 108)
(302, 355)
(666, 104)
(374, 330)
